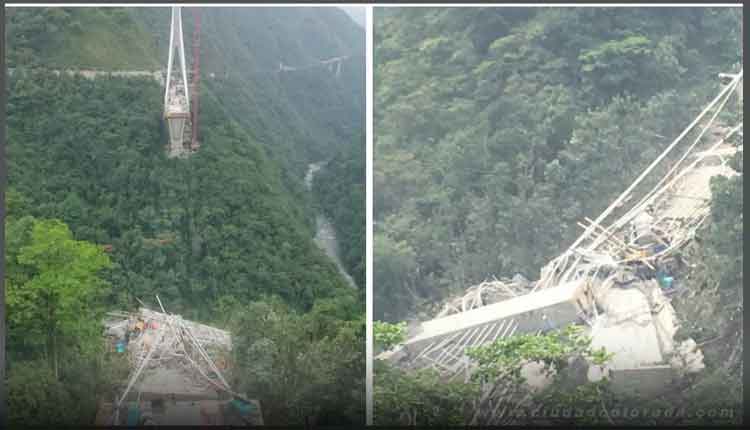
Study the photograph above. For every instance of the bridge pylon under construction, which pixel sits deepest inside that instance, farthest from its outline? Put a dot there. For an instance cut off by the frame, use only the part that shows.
(180, 114)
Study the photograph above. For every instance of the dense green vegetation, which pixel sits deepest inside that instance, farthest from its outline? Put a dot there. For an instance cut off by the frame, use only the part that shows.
(55, 297)
(714, 300)
(423, 398)
(81, 38)
(498, 129)
(387, 335)
(225, 232)
(307, 115)
(226, 222)
(312, 361)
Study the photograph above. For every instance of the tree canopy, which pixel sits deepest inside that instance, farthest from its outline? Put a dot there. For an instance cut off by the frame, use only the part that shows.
(100, 219)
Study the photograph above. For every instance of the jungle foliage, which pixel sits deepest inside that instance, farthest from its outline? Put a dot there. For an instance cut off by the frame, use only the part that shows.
(423, 397)
(100, 217)
(498, 129)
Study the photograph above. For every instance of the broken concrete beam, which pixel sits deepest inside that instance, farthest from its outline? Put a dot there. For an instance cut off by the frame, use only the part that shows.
(561, 305)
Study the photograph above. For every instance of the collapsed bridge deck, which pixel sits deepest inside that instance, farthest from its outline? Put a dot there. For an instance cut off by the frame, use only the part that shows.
(615, 279)
(177, 373)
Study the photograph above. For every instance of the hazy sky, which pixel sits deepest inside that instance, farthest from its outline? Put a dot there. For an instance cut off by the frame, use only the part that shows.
(357, 13)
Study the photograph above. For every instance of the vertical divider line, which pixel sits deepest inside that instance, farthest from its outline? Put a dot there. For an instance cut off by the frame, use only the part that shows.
(3, 183)
(369, 215)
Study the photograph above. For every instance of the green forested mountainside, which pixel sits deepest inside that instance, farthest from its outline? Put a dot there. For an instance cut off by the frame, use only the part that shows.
(307, 114)
(498, 129)
(241, 41)
(91, 153)
(79, 38)
(241, 49)
(304, 116)
(227, 231)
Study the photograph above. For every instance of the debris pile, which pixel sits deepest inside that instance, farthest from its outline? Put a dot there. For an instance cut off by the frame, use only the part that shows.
(638, 325)
(177, 373)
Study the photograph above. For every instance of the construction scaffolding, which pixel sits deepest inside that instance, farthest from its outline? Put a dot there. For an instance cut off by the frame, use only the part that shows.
(174, 360)
(681, 197)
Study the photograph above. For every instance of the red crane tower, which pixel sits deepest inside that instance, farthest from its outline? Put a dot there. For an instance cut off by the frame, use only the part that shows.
(195, 144)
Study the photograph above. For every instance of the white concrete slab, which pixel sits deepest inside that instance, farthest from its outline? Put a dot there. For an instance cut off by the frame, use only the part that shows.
(567, 293)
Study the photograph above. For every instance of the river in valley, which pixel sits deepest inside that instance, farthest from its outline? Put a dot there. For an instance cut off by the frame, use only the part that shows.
(325, 235)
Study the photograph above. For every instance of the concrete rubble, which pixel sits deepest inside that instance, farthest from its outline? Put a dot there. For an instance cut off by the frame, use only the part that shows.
(623, 311)
(167, 386)
(638, 325)
(635, 321)
(688, 358)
